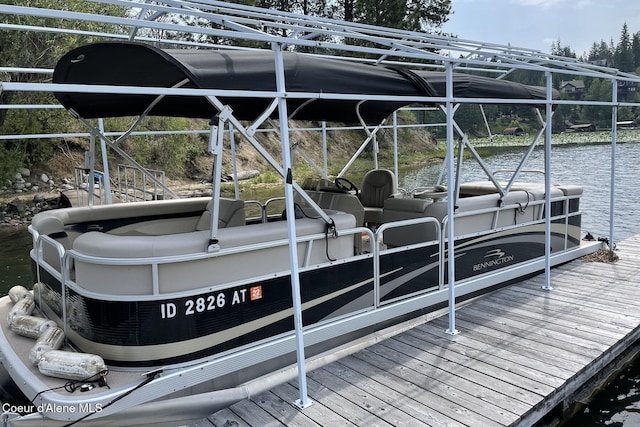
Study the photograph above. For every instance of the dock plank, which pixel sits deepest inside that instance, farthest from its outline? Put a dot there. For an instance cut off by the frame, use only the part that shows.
(392, 391)
(546, 329)
(532, 316)
(317, 411)
(426, 376)
(510, 375)
(445, 405)
(562, 340)
(252, 414)
(225, 418)
(520, 352)
(503, 358)
(365, 400)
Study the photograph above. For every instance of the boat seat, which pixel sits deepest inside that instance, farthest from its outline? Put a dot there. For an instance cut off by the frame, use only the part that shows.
(399, 209)
(230, 214)
(336, 201)
(377, 186)
(59, 223)
(259, 260)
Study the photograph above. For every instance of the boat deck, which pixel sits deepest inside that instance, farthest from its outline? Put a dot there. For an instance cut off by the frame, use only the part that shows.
(521, 352)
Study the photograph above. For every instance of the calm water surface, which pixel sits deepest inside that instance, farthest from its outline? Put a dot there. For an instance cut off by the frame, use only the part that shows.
(588, 165)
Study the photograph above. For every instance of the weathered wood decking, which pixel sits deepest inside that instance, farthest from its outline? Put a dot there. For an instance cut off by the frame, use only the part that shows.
(520, 352)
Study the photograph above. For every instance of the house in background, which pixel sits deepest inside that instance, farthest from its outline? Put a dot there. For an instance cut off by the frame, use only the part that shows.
(574, 89)
(627, 90)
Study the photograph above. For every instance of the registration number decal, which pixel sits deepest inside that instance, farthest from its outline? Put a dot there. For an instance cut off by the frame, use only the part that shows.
(209, 302)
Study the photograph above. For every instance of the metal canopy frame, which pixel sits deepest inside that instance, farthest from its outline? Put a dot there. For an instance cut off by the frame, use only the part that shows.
(219, 23)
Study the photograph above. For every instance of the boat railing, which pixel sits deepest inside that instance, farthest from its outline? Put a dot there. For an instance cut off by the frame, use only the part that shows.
(518, 207)
(42, 242)
(85, 182)
(152, 276)
(134, 184)
(270, 205)
(257, 212)
(254, 211)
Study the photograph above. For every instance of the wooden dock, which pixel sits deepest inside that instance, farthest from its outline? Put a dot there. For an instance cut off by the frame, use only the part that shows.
(521, 352)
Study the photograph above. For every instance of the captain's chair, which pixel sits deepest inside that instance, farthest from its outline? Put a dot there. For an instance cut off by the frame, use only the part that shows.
(377, 186)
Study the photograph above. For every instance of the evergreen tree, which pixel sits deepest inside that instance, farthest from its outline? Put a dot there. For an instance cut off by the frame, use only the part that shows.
(635, 50)
(601, 52)
(623, 56)
(413, 15)
(598, 90)
(558, 50)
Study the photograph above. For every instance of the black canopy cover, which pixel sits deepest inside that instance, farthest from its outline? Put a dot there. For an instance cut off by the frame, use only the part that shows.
(137, 64)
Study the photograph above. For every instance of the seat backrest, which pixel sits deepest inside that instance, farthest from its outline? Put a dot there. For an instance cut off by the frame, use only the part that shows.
(230, 214)
(377, 186)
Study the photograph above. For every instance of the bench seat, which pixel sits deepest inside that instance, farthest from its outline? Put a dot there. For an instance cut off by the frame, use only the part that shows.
(202, 273)
(399, 209)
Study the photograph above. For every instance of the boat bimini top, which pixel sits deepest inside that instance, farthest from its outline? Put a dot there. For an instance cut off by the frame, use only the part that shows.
(255, 85)
(249, 71)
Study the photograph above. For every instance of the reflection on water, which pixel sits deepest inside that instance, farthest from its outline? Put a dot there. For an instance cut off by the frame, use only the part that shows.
(15, 244)
(618, 405)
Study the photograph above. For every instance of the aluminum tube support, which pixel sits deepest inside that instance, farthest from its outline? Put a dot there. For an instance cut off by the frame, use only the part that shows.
(614, 141)
(370, 135)
(232, 143)
(105, 165)
(395, 149)
(547, 183)
(304, 400)
(451, 194)
(325, 160)
(216, 136)
(92, 169)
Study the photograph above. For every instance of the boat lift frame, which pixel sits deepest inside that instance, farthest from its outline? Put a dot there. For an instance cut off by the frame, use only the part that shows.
(283, 31)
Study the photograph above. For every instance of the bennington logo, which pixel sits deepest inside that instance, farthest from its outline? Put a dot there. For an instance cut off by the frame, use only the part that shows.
(498, 258)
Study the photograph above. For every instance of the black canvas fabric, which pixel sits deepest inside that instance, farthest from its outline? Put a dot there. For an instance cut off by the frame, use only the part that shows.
(137, 64)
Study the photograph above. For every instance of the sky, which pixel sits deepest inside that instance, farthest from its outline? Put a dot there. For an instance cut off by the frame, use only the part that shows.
(536, 24)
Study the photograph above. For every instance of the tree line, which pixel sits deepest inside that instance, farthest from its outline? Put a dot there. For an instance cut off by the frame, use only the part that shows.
(42, 49)
(36, 49)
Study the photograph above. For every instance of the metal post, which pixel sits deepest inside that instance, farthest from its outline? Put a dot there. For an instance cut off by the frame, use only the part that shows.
(91, 167)
(105, 165)
(547, 184)
(304, 400)
(450, 196)
(614, 141)
(324, 150)
(232, 143)
(395, 147)
(375, 151)
(215, 147)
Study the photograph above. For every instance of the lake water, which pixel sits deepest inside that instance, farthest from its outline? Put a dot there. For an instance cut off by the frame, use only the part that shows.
(588, 165)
